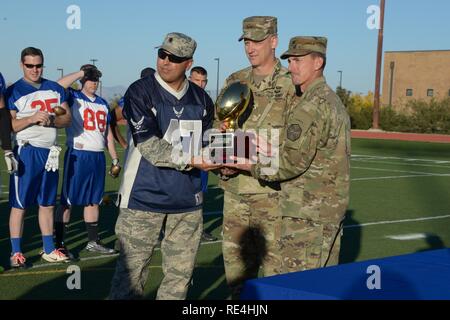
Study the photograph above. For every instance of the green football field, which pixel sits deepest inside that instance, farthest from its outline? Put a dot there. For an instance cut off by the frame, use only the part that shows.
(399, 204)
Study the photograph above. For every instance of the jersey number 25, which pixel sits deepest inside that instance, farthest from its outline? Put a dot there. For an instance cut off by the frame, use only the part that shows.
(45, 105)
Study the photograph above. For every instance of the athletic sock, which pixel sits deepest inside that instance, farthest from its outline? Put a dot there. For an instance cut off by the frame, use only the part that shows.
(92, 230)
(49, 245)
(15, 245)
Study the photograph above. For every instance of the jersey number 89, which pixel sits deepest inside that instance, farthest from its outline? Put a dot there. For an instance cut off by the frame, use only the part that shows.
(93, 120)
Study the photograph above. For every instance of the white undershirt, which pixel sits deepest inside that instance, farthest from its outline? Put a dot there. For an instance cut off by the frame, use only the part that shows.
(177, 94)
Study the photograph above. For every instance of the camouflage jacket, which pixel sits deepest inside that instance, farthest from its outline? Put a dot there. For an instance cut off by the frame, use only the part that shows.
(314, 161)
(271, 98)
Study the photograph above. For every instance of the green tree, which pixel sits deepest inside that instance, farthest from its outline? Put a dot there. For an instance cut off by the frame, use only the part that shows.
(344, 95)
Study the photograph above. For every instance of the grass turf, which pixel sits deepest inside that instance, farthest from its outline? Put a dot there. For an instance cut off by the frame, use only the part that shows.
(392, 184)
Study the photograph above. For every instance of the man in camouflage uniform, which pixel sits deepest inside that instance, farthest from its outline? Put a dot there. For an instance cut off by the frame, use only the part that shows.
(251, 223)
(313, 163)
(160, 191)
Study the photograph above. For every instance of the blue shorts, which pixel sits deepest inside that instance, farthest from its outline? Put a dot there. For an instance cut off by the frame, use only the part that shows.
(84, 178)
(32, 184)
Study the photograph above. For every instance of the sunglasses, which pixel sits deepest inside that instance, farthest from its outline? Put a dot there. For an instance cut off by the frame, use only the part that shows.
(174, 59)
(31, 66)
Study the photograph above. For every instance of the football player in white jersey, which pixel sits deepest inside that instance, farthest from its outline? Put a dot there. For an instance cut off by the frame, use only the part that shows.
(84, 161)
(38, 107)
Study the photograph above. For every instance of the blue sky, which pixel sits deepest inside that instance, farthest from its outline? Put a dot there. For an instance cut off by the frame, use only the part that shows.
(122, 34)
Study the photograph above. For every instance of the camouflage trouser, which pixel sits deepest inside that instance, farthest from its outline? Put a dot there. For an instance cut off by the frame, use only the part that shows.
(138, 234)
(308, 245)
(251, 233)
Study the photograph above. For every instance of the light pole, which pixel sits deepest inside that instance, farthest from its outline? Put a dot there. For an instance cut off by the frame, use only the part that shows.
(217, 85)
(93, 61)
(340, 78)
(376, 100)
(62, 71)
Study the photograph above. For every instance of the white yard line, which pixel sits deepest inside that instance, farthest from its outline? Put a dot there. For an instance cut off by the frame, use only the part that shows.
(415, 174)
(368, 223)
(402, 163)
(407, 237)
(395, 221)
(394, 177)
(46, 264)
(398, 158)
(392, 170)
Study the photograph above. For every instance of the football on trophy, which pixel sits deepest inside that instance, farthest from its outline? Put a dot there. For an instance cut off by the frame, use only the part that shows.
(59, 111)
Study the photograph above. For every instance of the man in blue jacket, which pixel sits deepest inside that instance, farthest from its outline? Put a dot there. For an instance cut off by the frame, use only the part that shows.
(161, 190)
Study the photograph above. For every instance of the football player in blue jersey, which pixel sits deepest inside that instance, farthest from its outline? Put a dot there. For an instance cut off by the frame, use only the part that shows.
(167, 117)
(84, 161)
(38, 107)
(5, 130)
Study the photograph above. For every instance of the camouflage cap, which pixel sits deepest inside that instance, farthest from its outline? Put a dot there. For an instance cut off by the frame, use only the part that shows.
(301, 46)
(179, 45)
(258, 28)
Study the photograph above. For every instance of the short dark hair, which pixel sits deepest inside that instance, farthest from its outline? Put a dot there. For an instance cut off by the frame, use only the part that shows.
(320, 55)
(147, 72)
(31, 51)
(200, 70)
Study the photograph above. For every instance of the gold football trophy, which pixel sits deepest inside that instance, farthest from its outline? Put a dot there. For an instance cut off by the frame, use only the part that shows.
(230, 105)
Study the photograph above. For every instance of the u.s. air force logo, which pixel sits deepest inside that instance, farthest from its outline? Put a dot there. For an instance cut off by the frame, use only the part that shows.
(137, 125)
(178, 113)
(294, 132)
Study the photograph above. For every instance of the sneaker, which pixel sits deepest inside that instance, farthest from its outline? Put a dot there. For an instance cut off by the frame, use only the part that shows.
(55, 256)
(207, 237)
(62, 248)
(18, 260)
(98, 247)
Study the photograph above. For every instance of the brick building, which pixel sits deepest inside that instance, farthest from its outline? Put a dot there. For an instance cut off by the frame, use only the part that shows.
(420, 75)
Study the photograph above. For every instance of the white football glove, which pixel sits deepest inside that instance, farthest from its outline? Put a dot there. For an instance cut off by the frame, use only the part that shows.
(11, 163)
(53, 159)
